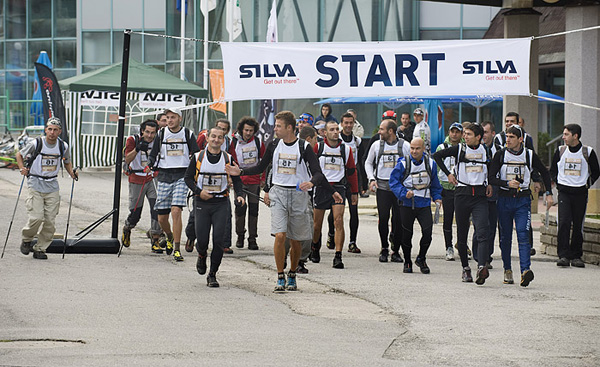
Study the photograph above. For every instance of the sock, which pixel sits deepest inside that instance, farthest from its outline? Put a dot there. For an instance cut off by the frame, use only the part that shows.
(338, 254)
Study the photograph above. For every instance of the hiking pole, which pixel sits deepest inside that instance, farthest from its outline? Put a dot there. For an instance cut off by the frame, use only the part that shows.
(436, 217)
(547, 221)
(13, 217)
(253, 194)
(69, 215)
(134, 209)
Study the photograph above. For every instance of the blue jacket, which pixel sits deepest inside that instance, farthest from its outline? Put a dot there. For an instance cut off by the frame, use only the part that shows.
(400, 191)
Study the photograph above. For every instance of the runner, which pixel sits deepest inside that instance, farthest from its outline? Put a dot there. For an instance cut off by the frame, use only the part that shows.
(379, 164)
(413, 182)
(207, 179)
(293, 162)
(337, 164)
(171, 156)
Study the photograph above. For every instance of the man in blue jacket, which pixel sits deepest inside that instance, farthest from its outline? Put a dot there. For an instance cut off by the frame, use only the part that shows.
(414, 184)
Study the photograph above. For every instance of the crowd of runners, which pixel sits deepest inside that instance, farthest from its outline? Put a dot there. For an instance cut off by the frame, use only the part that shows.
(314, 165)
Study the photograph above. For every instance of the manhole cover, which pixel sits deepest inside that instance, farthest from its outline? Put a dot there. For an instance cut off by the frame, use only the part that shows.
(38, 343)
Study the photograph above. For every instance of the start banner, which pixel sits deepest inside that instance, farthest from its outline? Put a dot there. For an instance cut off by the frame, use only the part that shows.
(342, 69)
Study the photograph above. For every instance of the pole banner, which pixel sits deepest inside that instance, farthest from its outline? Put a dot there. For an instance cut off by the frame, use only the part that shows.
(287, 70)
(52, 98)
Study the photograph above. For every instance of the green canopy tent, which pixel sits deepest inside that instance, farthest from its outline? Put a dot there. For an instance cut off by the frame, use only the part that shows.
(91, 103)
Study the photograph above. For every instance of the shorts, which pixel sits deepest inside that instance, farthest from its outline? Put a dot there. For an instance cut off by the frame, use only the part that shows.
(290, 213)
(171, 194)
(324, 199)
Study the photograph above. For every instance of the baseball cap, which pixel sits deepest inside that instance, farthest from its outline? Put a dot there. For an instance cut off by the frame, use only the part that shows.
(176, 111)
(456, 125)
(54, 121)
(308, 118)
(389, 114)
(320, 126)
(418, 111)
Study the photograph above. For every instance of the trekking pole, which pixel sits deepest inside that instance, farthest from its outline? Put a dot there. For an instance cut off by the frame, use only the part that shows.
(134, 209)
(547, 220)
(253, 194)
(69, 215)
(436, 217)
(13, 217)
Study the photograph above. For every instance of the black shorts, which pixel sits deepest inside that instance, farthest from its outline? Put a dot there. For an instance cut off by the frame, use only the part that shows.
(324, 200)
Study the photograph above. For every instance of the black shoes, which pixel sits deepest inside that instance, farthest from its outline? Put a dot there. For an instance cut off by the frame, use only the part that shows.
(315, 255)
(240, 242)
(482, 275)
(421, 263)
(26, 247)
(407, 267)
(396, 258)
(252, 245)
(211, 281)
(201, 264)
(331, 242)
(466, 275)
(301, 269)
(563, 262)
(189, 245)
(228, 251)
(41, 255)
(337, 262)
(526, 277)
(578, 263)
(383, 255)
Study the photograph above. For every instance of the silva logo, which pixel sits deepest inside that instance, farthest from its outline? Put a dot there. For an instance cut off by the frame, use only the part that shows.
(162, 97)
(266, 71)
(489, 67)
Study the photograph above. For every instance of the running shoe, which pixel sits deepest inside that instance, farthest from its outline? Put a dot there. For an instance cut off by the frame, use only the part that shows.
(383, 255)
(156, 247)
(407, 267)
(578, 263)
(189, 245)
(201, 264)
(280, 286)
(396, 258)
(526, 277)
(353, 248)
(211, 281)
(169, 247)
(228, 251)
(26, 247)
(337, 262)
(532, 252)
(177, 256)
(421, 263)
(126, 238)
(315, 255)
(41, 255)
(162, 240)
(449, 254)
(563, 262)
(482, 274)
(252, 245)
(301, 269)
(240, 242)
(291, 282)
(508, 277)
(331, 241)
(466, 275)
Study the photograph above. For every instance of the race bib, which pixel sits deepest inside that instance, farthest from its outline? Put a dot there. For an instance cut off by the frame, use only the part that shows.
(474, 156)
(249, 155)
(286, 164)
(513, 171)
(175, 147)
(474, 168)
(420, 180)
(49, 163)
(144, 159)
(389, 158)
(212, 183)
(573, 167)
(333, 163)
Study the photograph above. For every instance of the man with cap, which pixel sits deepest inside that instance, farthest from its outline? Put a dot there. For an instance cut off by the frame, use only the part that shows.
(422, 129)
(306, 119)
(171, 154)
(40, 161)
(454, 138)
(406, 127)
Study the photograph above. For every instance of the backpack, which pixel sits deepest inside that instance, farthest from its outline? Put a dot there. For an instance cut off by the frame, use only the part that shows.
(462, 157)
(527, 158)
(409, 167)
(126, 167)
(584, 150)
(234, 141)
(399, 145)
(160, 142)
(201, 158)
(38, 149)
(321, 147)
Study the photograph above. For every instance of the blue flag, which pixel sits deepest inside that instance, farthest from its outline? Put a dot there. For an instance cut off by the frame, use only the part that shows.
(36, 109)
(434, 116)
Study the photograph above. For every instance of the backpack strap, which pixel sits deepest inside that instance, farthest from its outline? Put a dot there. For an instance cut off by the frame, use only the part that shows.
(343, 153)
(199, 159)
(320, 148)
(379, 154)
(407, 168)
(585, 151)
(257, 142)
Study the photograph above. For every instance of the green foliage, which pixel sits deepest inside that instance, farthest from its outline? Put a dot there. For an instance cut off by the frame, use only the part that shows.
(542, 151)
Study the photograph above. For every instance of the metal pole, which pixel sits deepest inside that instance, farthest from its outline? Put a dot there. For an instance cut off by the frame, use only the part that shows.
(205, 62)
(230, 103)
(121, 132)
(182, 42)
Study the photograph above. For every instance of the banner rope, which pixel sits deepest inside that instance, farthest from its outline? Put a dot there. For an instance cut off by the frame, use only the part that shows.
(190, 107)
(566, 102)
(567, 32)
(175, 37)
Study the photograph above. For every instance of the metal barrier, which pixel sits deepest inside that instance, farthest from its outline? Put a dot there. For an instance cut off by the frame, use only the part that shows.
(557, 141)
(15, 115)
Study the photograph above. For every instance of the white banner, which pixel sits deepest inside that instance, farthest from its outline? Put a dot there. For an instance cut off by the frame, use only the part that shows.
(287, 70)
(161, 100)
(99, 98)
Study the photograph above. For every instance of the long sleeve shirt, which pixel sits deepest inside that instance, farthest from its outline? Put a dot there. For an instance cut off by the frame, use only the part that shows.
(398, 188)
(190, 178)
(594, 170)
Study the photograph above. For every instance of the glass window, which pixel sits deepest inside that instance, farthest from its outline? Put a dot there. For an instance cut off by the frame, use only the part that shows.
(88, 68)
(473, 33)
(95, 14)
(1, 54)
(64, 74)
(35, 47)
(154, 14)
(440, 34)
(65, 19)
(65, 54)
(15, 55)
(347, 26)
(96, 47)
(15, 83)
(40, 19)
(154, 49)
(127, 14)
(15, 19)
(1, 17)
(135, 47)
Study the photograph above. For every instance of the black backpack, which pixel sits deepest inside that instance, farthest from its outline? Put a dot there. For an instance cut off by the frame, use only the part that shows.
(38, 149)
(409, 167)
(399, 145)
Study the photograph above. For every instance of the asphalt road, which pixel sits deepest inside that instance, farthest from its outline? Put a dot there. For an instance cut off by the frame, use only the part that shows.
(143, 309)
